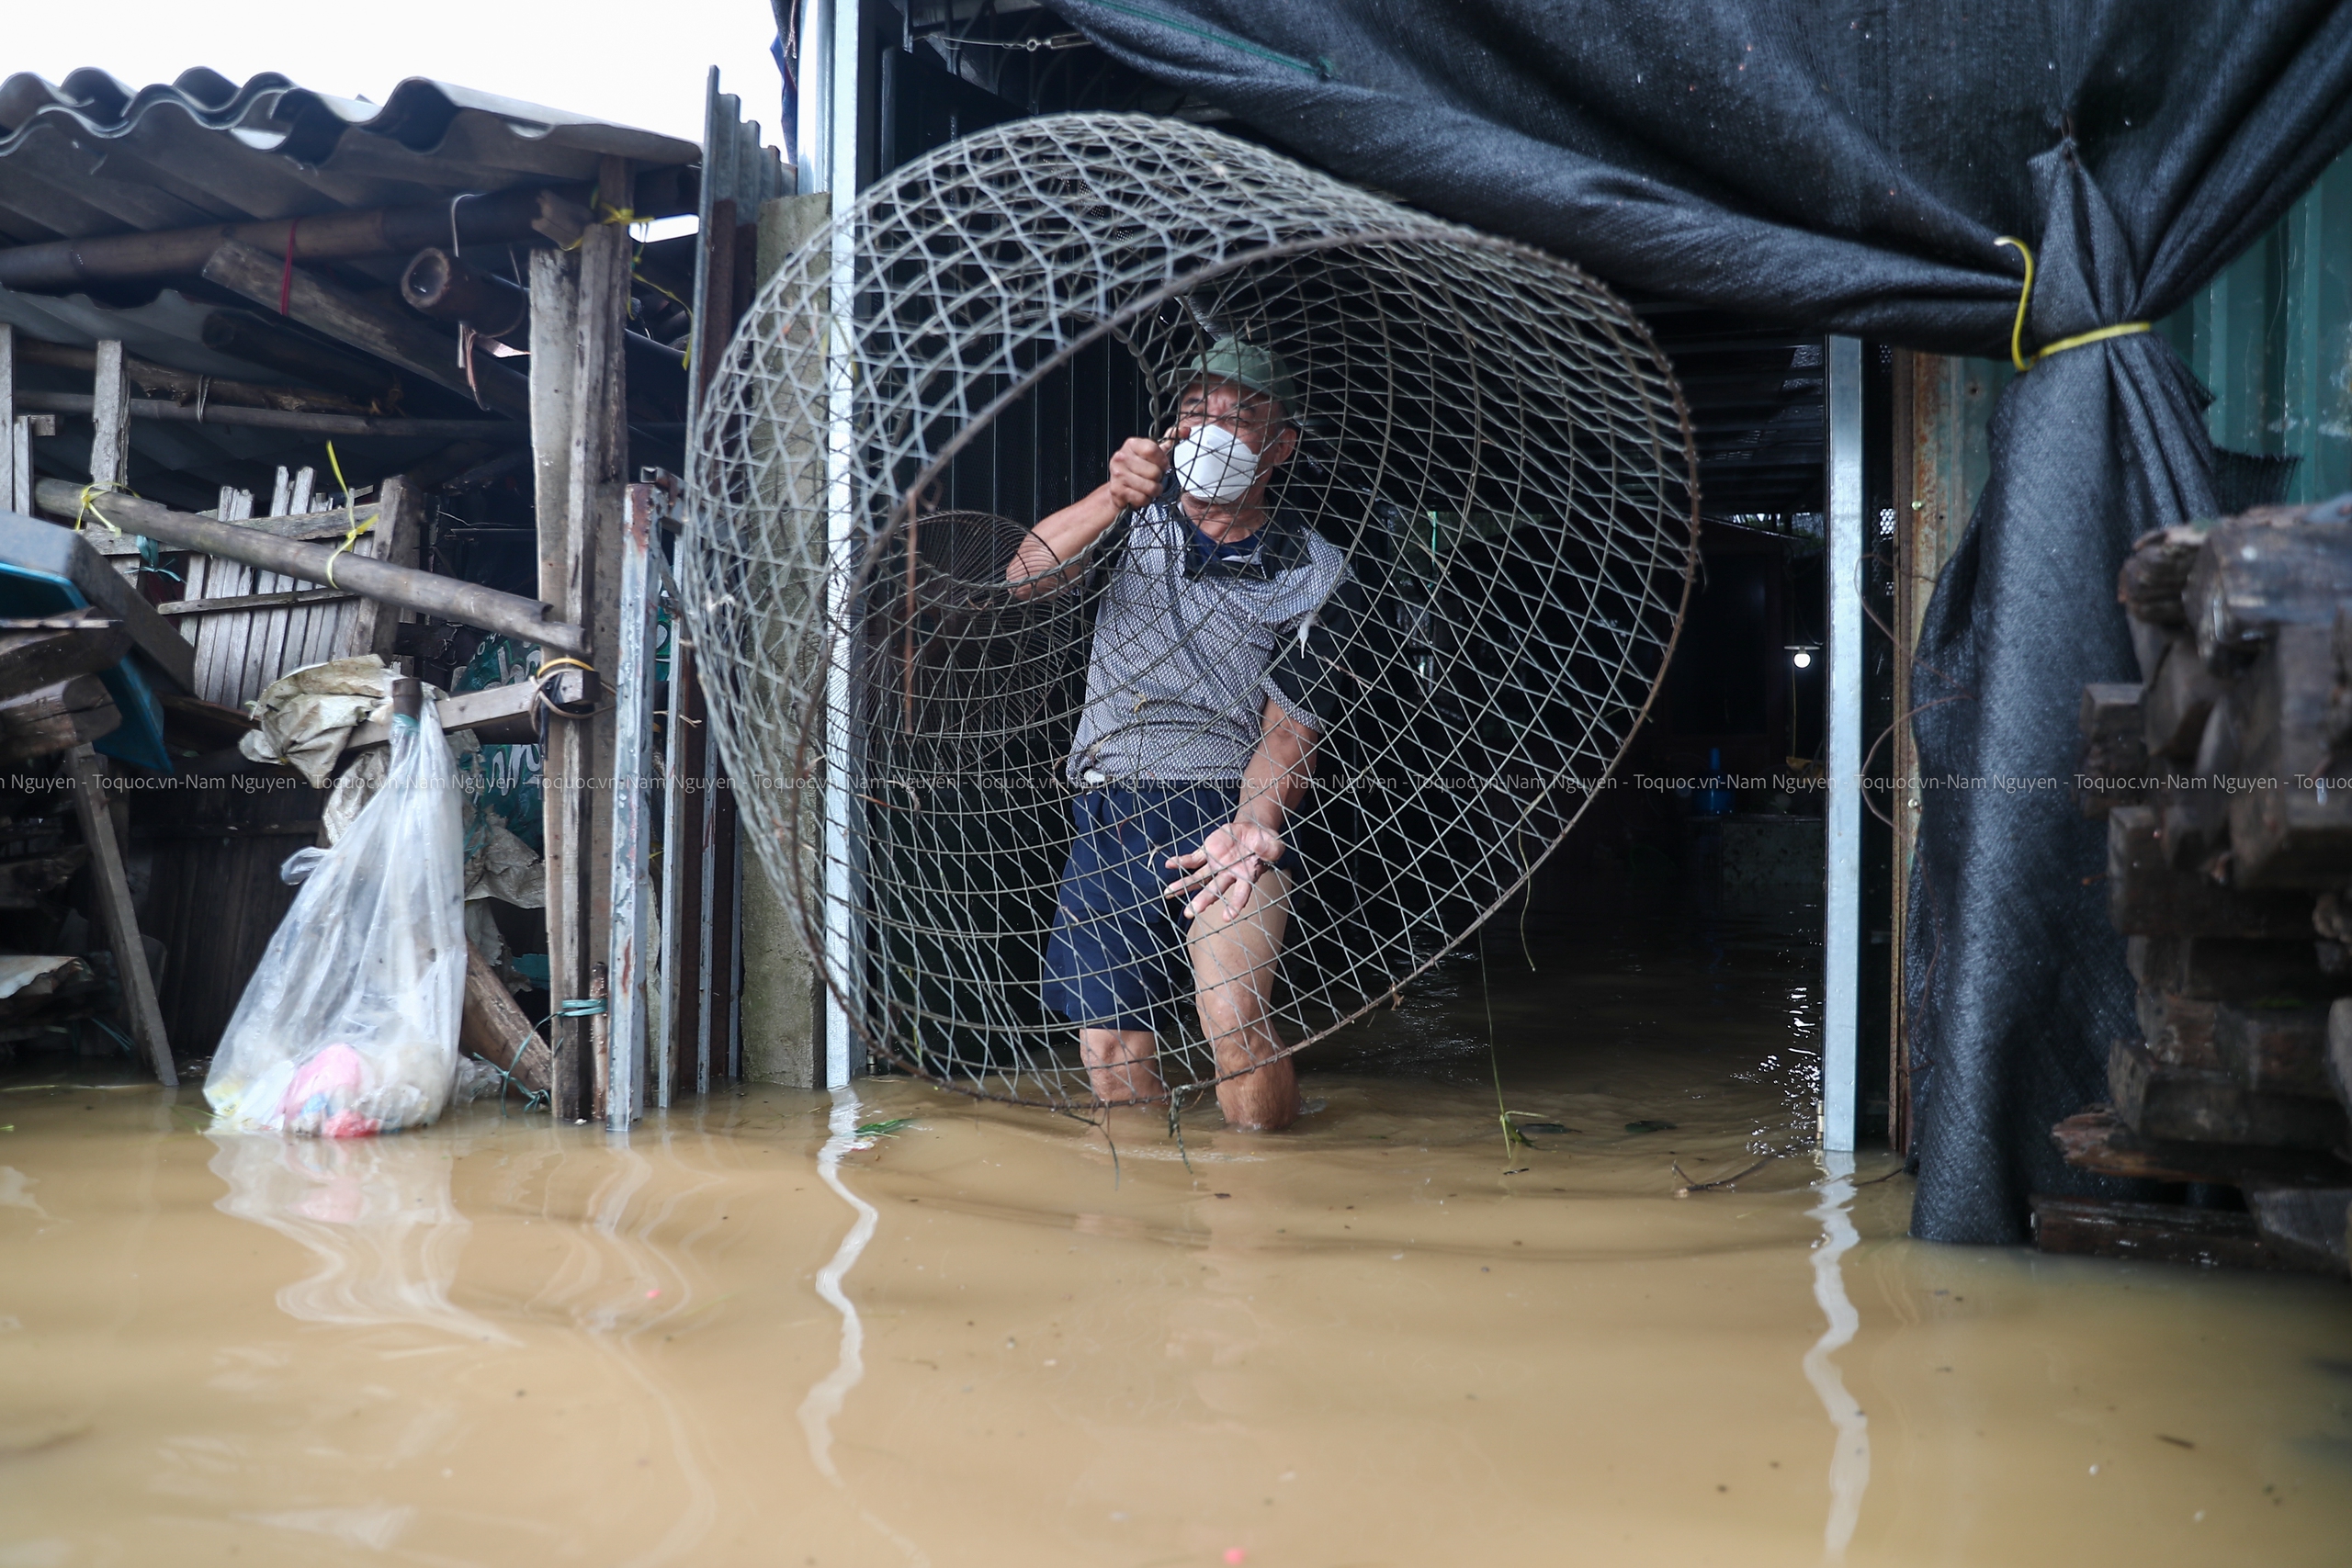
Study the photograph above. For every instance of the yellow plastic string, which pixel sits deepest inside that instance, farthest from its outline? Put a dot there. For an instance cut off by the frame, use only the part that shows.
(86, 509)
(2025, 298)
(350, 511)
(2121, 329)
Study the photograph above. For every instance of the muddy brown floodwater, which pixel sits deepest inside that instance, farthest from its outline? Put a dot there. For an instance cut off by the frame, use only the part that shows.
(747, 1336)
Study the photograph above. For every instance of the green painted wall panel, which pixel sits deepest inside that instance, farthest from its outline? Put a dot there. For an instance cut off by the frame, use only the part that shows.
(2271, 338)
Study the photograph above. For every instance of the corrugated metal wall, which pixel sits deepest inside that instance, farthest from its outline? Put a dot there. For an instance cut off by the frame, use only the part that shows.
(2272, 338)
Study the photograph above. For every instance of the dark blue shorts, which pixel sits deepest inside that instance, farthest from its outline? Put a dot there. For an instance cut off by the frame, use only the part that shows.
(1117, 957)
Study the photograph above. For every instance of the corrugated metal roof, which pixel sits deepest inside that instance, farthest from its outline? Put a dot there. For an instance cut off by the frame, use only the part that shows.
(91, 156)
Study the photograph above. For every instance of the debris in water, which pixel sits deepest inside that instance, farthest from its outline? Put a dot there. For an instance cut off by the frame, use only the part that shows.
(1646, 1126)
(889, 1129)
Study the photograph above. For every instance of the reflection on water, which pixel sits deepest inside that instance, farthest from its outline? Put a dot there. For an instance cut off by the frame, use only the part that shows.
(377, 1216)
(745, 1336)
(824, 1401)
(1850, 1450)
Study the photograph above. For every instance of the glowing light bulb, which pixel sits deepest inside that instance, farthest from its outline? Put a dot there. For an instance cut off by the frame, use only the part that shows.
(1805, 659)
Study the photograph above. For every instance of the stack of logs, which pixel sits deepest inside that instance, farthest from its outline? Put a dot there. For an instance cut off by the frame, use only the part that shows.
(2229, 869)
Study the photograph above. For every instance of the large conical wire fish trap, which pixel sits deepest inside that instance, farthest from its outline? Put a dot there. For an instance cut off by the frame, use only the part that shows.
(1487, 436)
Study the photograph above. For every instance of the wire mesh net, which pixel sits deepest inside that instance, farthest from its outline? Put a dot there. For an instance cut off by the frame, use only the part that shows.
(1421, 645)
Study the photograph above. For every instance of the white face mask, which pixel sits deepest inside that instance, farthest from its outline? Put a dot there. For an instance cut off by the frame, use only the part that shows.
(1214, 465)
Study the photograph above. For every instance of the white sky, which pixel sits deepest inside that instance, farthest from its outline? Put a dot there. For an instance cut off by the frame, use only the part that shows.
(636, 65)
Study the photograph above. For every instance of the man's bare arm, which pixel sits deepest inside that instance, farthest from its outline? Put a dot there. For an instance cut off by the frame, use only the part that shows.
(1228, 861)
(1278, 771)
(1043, 563)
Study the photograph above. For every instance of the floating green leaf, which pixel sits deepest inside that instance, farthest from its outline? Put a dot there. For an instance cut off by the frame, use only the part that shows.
(889, 1129)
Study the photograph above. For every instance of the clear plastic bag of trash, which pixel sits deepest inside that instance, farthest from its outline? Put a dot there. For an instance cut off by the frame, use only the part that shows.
(349, 1027)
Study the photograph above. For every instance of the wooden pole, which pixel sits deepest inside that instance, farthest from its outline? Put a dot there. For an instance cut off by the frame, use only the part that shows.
(90, 811)
(681, 850)
(500, 218)
(110, 413)
(8, 493)
(466, 602)
(279, 419)
(400, 522)
(389, 333)
(593, 518)
(632, 690)
(555, 314)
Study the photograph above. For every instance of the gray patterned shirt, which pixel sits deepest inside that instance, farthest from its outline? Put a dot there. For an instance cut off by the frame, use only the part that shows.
(1184, 648)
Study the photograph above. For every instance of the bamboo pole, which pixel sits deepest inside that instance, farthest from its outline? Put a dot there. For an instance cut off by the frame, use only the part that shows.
(427, 592)
(281, 419)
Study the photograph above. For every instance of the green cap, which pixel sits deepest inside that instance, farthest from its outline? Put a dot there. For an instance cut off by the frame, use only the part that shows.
(1248, 365)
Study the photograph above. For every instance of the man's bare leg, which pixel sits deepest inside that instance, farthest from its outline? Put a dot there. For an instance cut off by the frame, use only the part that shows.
(1234, 963)
(1122, 1063)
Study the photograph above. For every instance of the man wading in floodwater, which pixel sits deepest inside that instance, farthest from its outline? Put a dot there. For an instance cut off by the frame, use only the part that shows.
(1197, 739)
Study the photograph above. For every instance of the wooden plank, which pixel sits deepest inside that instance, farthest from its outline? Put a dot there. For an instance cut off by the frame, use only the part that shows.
(2154, 1233)
(54, 718)
(374, 626)
(2307, 1224)
(8, 487)
(252, 600)
(34, 659)
(2145, 897)
(96, 820)
(2098, 1140)
(555, 368)
(2338, 1065)
(2211, 968)
(40, 546)
(493, 1028)
(2274, 1050)
(2175, 1104)
(2115, 750)
(2157, 573)
(2179, 1031)
(396, 336)
(626, 1038)
(26, 880)
(681, 939)
(19, 435)
(592, 526)
(110, 418)
(497, 716)
(2177, 704)
(2261, 572)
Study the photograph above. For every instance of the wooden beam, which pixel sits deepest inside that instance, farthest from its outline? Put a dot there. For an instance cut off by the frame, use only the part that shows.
(393, 335)
(36, 545)
(8, 486)
(2155, 1233)
(30, 659)
(90, 811)
(254, 601)
(399, 524)
(110, 413)
(52, 719)
(632, 835)
(493, 1028)
(498, 716)
(500, 218)
(555, 368)
(428, 593)
(580, 572)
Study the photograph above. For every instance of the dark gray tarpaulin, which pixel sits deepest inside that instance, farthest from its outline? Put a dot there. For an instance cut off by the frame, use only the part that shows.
(1849, 168)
